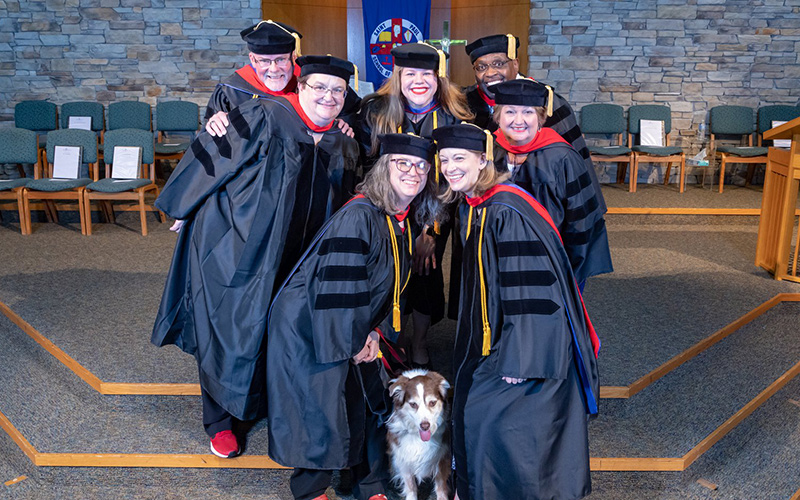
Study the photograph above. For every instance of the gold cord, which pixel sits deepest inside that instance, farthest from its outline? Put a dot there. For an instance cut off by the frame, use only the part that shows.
(487, 330)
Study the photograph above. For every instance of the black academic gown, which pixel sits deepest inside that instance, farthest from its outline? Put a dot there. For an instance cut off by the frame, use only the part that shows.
(252, 200)
(559, 180)
(563, 121)
(530, 440)
(337, 294)
(426, 292)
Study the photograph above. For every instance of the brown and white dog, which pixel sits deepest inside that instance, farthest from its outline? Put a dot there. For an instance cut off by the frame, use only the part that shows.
(418, 438)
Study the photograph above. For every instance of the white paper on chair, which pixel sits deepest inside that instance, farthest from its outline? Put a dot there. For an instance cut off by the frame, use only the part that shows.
(780, 143)
(80, 122)
(651, 133)
(127, 162)
(67, 162)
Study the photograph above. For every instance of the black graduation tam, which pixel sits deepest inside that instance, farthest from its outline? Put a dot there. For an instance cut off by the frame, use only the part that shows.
(270, 37)
(464, 136)
(327, 65)
(524, 92)
(408, 144)
(508, 44)
(422, 56)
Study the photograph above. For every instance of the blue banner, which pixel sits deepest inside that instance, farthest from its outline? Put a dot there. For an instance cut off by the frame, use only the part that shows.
(388, 24)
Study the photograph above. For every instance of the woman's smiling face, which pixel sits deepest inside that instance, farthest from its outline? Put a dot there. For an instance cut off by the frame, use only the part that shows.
(418, 86)
(519, 124)
(461, 168)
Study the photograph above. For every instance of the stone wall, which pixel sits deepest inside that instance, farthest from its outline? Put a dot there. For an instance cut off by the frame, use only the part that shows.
(690, 54)
(112, 50)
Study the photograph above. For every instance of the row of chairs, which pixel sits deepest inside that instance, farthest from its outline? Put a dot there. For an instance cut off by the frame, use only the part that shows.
(172, 117)
(21, 146)
(728, 123)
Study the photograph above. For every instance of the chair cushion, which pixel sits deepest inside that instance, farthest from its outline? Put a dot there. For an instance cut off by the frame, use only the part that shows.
(744, 152)
(53, 185)
(117, 185)
(609, 150)
(8, 184)
(165, 149)
(658, 151)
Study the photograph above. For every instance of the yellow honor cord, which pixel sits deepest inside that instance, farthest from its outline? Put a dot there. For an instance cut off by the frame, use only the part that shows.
(487, 331)
(355, 77)
(512, 46)
(396, 324)
(489, 145)
(549, 100)
(436, 227)
(469, 222)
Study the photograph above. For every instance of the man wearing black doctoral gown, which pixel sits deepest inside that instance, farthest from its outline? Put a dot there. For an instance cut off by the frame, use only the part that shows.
(528, 440)
(253, 201)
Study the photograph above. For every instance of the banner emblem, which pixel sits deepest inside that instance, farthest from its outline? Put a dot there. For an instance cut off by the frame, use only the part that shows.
(387, 35)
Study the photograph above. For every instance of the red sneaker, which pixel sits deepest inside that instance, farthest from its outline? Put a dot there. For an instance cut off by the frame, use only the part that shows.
(224, 445)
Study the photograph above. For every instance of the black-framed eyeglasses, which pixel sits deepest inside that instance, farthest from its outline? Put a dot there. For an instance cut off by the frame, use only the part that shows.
(279, 61)
(404, 165)
(321, 90)
(481, 67)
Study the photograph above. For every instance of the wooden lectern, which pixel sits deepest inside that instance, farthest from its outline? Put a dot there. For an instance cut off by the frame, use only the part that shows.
(778, 204)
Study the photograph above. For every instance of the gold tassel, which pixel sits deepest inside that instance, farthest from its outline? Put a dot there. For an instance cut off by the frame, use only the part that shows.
(442, 71)
(297, 45)
(512, 46)
(549, 100)
(489, 145)
(487, 330)
(355, 77)
(396, 323)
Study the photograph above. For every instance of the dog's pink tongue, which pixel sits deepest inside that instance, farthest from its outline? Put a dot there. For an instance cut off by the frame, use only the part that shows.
(425, 435)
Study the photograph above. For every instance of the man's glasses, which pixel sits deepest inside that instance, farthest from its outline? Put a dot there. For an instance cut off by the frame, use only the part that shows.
(321, 90)
(481, 67)
(280, 61)
(405, 166)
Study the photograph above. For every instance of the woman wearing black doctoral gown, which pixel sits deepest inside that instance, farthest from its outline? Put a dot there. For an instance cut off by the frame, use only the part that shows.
(252, 200)
(549, 168)
(326, 399)
(525, 353)
(418, 97)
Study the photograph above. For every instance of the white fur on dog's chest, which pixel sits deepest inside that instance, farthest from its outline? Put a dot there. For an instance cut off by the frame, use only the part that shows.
(420, 458)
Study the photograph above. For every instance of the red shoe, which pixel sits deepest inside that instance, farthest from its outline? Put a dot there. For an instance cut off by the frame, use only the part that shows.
(378, 497)
(224, 445)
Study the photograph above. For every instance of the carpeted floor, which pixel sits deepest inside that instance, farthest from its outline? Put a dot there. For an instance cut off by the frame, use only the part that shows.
(677, 280)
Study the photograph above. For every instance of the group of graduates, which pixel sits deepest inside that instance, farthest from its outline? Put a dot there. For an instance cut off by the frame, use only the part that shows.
(311, 223)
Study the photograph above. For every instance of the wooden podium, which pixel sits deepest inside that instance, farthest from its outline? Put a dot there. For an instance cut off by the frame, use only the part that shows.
(776, 242)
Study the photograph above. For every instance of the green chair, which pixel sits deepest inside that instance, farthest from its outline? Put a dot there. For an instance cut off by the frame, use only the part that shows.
(654, 154)
(85, 108)
(110, 189)
(734, 122)
(768, 114)
(181, 117)
(47, 189)
(39, 116)
(607, 119)
(20, 146)
(129, 114)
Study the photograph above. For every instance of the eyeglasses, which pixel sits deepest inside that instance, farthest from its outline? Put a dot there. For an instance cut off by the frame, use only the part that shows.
(405, 166)
(480, 68)
(280, 61)
(321, 90)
